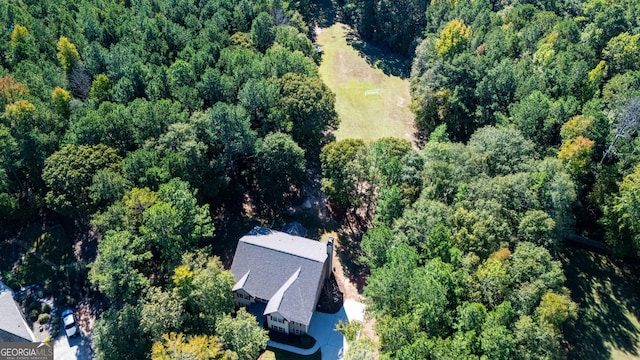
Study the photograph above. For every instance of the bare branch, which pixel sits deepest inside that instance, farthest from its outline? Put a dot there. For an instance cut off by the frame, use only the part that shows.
(627, 126)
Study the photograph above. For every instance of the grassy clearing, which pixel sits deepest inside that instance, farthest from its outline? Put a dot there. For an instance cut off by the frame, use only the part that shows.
(24, 267)
(348, 74)
(606, 290)
(53, 243)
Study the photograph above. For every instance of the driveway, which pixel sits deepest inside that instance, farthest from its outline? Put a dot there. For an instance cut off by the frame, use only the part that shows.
(323, 329)
(77, 348)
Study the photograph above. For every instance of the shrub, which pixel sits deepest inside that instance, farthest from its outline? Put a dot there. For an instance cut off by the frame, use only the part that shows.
(33, 315)
(45, 308)
(350, 330)
(11, 281)
(29, 303)
(43, 319)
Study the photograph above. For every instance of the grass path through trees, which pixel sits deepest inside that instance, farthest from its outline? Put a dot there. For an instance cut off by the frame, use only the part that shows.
(370, 103)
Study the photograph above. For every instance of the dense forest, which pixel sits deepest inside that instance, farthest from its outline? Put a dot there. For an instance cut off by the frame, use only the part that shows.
(145, 123)
(531, 111)
(143, 120)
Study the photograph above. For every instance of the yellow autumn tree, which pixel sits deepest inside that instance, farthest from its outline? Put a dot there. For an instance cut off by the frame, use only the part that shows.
(576, 155)
(183, 279)
(592, 85)
(60, 99)
(454, 38)
(546, 51)
(19, 112)
(136, 202)
(199, 347)
(19, 108)
(22, 45)
(576, 126)
(100, 88)
(18, 35)
(503, 254)
(555, 309)
(67, 53)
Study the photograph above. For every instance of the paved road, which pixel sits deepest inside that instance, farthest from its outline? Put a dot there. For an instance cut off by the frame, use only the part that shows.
(77, 348)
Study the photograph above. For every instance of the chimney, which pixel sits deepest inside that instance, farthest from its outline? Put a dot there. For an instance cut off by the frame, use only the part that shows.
(330, 254)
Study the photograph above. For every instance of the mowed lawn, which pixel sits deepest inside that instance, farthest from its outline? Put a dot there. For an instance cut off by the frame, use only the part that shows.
(606, 289)
(371, 116)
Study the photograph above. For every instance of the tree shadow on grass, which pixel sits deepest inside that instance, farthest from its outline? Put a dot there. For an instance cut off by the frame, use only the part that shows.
(349, 252)
(605, 288)
(379, 57)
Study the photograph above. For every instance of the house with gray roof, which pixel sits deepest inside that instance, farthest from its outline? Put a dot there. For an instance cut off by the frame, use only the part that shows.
(13, 327)
(280, 276)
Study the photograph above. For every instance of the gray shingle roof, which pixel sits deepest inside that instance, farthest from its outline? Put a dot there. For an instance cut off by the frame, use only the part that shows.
(13, 327)
(273, 259)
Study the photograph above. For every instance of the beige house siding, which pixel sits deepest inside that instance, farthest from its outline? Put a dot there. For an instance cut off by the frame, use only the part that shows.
(297, 328)
(277, 322)
(242, 298)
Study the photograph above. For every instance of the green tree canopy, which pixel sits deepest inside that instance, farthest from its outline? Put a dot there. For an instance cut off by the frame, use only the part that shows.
(280, 169)
(242, 335)
(68, 173)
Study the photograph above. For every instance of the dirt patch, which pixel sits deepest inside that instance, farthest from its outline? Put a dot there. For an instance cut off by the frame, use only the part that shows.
(349, 289)
(86, 317)
(353, 290)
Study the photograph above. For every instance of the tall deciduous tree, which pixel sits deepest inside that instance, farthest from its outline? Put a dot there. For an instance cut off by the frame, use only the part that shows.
(23, 45)
(117, 335)
(230, 125)
(576, 155)
(209, 298)
(242, 334)
(67, 54)
(555, 309)
(339, 181)
(454, 38)
(621, 218)
(374, 244)
(310, 106)
(197, 347)
(60, 99)
(280, 167)
(116, 270)
(162, 313)
(11, 90)
(263, 32)
(68, 174)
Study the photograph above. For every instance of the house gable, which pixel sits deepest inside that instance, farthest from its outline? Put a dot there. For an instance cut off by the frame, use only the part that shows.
(277, 322)
(276, 300)
(287, 271)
